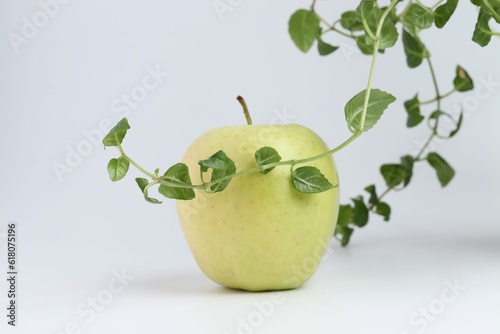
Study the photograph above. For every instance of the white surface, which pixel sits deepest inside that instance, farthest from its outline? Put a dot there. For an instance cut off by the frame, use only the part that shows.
(380, 284)
(74, 233)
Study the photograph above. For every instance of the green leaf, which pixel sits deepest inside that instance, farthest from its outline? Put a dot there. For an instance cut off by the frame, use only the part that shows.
(310, 180)
(384, 210)
(388, 33)
(360, 212)
(218, 160)
(413, 109)
(343, 221)
(143, 183)
(373, 194)
(363, 46)
(415, 51)
(364, 9)
(459, 124)
(407, 162)
(325, 49)
(117, 133)
(348, 21)
(443, 13)
(177, 174)
(221, 166)
(118, 168)
(424, 17)
(303, 27)
(345, 215)
(393, 174)
(482, 32)
(266, 155)
(445, 172)
(418, 17)
(377, 103)
(462, 81)
(346, 233)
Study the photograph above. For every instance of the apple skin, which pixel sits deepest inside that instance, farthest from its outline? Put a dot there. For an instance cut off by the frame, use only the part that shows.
(260, 233)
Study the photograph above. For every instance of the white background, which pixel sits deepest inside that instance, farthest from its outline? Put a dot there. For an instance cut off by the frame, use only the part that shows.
(74, 231)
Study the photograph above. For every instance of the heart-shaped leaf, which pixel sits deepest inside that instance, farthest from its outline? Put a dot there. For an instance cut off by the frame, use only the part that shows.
(377, 103)
(303, 28)
(118, 168)
(310, 180)
(178, 174)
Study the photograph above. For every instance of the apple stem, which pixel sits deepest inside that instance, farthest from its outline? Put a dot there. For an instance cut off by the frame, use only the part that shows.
(245, 109)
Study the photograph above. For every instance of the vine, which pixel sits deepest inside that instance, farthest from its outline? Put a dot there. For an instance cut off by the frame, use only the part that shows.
(176, 182)
(413, 17)
(373, 28)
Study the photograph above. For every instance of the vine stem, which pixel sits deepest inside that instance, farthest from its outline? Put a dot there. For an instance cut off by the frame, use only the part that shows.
(257, 169)
(369, 31)
(418, 157)
(136, 165)
(380, 197)
(331, 27)
(438, 103)
(313, 5)
(492, 10)
(437, 99)
(376, 45)
(434, 81)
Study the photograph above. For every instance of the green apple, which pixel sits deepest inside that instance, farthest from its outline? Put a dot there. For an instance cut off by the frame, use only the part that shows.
(260, 233)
